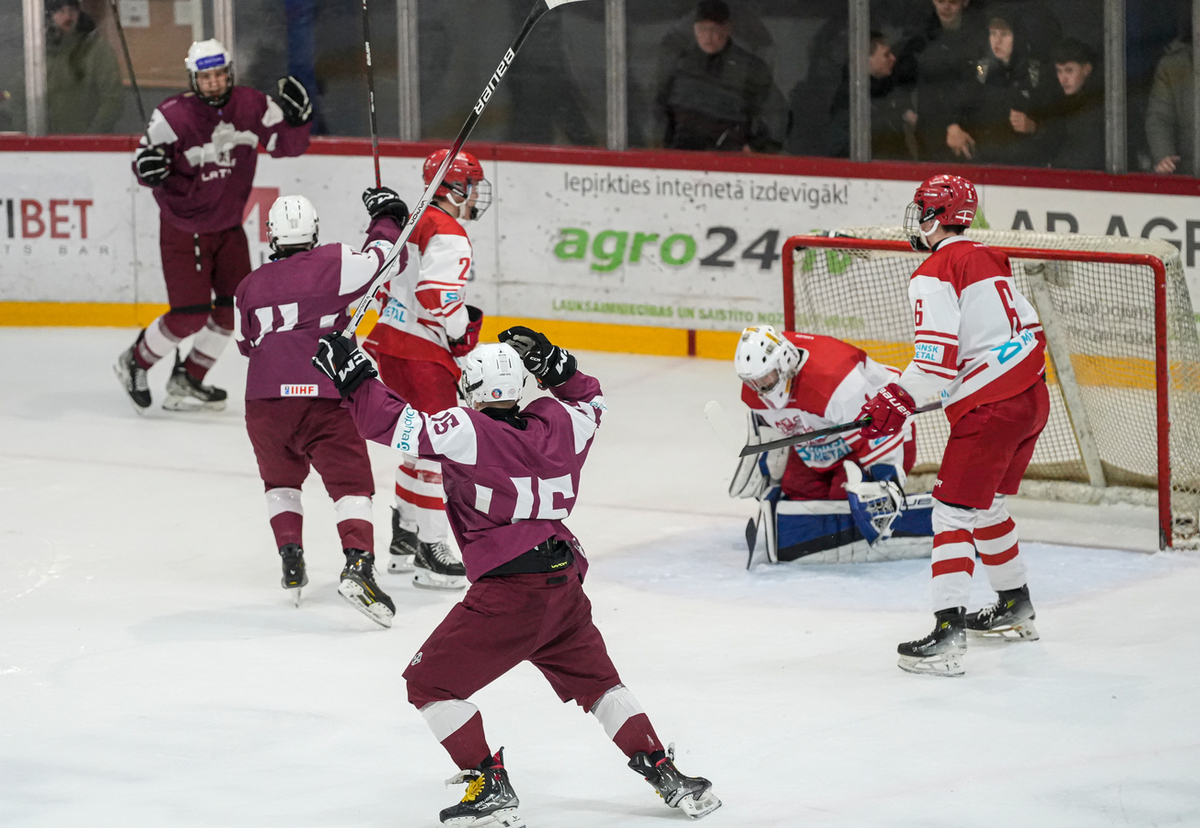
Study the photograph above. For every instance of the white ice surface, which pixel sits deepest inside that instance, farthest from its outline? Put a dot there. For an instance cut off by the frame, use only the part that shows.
(153, 673)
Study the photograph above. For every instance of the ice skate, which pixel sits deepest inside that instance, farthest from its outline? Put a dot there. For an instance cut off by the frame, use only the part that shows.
(359, 588)
(294, 574)
(403, 548)
(941, 652)
(437, 568)
(489, 800)
(1010, 618)
(133, 379)
(691, 794)
(187, 394)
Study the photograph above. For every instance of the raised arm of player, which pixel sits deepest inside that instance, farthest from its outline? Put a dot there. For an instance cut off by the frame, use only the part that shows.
(281, 139)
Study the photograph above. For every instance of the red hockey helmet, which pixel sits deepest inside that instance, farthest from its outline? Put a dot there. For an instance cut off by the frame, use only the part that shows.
(464, 178)
(950, 200)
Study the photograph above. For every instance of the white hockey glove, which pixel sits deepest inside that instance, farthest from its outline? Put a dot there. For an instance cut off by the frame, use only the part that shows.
(874, 505)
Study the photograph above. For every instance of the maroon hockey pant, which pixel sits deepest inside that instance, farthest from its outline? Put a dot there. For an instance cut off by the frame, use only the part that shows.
(292, 435)
(990, 447)
(202, 273)
(543, 619)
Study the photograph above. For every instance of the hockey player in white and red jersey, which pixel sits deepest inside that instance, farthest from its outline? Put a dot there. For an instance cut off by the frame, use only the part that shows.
(795, 383)
(980, 352)
(424, 324)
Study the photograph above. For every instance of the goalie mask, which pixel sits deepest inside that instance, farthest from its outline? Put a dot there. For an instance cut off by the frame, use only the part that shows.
(204, 56)
(464, 185)
(950, 200)
(292, 222)
(767, 363)
(490, 374)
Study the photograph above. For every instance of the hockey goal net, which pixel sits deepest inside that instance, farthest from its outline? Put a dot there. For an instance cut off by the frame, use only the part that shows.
(1123, 363)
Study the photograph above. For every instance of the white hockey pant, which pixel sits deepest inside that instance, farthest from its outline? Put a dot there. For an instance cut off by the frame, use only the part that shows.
(420, 499)
(953, 554)
(996, 541)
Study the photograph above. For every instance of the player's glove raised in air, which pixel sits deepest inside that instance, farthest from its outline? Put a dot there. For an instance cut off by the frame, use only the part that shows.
(464, 345)
(294, 101)
(888, 410)
(383, 201)
(551, 364)
(152, 166)
(343, 362)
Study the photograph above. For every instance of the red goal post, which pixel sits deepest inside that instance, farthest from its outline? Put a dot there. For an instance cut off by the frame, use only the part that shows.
(1123, 357)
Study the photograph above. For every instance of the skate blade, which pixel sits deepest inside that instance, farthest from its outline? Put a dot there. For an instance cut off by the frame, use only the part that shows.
(399, 564)
(123, 376)
(1025, 631)
(701, 806)
(507, 817)
(191, 405)
(945, 664)
(357, 597)
(427, 580)
(295, 595)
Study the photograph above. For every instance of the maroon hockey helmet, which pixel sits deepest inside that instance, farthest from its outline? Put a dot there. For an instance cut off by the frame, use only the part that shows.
(950, 200)
(463, 178)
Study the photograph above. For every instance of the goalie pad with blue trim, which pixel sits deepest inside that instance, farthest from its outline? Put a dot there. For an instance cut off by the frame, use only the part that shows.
(825, 531)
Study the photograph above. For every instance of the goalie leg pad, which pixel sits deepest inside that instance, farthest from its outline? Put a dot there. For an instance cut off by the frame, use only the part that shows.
(874, 505)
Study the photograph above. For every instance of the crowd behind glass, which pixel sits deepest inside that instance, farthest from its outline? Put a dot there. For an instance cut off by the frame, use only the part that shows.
(1016, 82)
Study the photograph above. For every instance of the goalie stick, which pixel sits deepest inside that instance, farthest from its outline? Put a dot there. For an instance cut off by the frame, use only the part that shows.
(540, 8)
(720, 424)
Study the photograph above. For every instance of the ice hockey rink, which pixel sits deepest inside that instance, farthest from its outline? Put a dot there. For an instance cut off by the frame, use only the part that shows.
(153, 672)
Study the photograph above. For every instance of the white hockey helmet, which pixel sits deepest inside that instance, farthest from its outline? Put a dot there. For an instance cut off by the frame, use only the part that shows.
(204, 55)
(491, 373)
(768, 363)
(292, 222)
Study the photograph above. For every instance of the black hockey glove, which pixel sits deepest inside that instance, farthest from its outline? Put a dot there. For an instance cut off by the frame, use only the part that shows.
(294, 101)
(383, 201)
(343, 362)
(551, 364)
(152, 166)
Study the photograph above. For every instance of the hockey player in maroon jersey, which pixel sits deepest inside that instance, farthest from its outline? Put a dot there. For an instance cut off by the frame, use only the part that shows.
(511, 477)
(980, 352)
(795, 383)
(199, 155)
(293, 412)
(424, 324)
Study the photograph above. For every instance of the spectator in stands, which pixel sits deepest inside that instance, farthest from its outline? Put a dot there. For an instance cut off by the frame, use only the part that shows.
(1170, 111)
(83, 86)
(1007, 97)
(1075, 127)
(945, 56)
(712, 94)
(820, 109)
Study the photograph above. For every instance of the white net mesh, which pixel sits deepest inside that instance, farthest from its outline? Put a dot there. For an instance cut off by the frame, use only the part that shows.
(1100, 318)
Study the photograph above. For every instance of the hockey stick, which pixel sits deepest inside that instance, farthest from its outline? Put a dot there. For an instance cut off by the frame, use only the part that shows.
(371, 94)
(137, 93)
(540, 7)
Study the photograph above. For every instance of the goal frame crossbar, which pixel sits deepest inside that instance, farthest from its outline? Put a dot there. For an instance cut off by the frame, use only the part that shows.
(1161, 371)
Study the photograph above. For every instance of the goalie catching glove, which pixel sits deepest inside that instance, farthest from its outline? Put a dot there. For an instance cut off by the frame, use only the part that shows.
(343, 362)
(551, 364)
(874, 504)
(152, 166)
